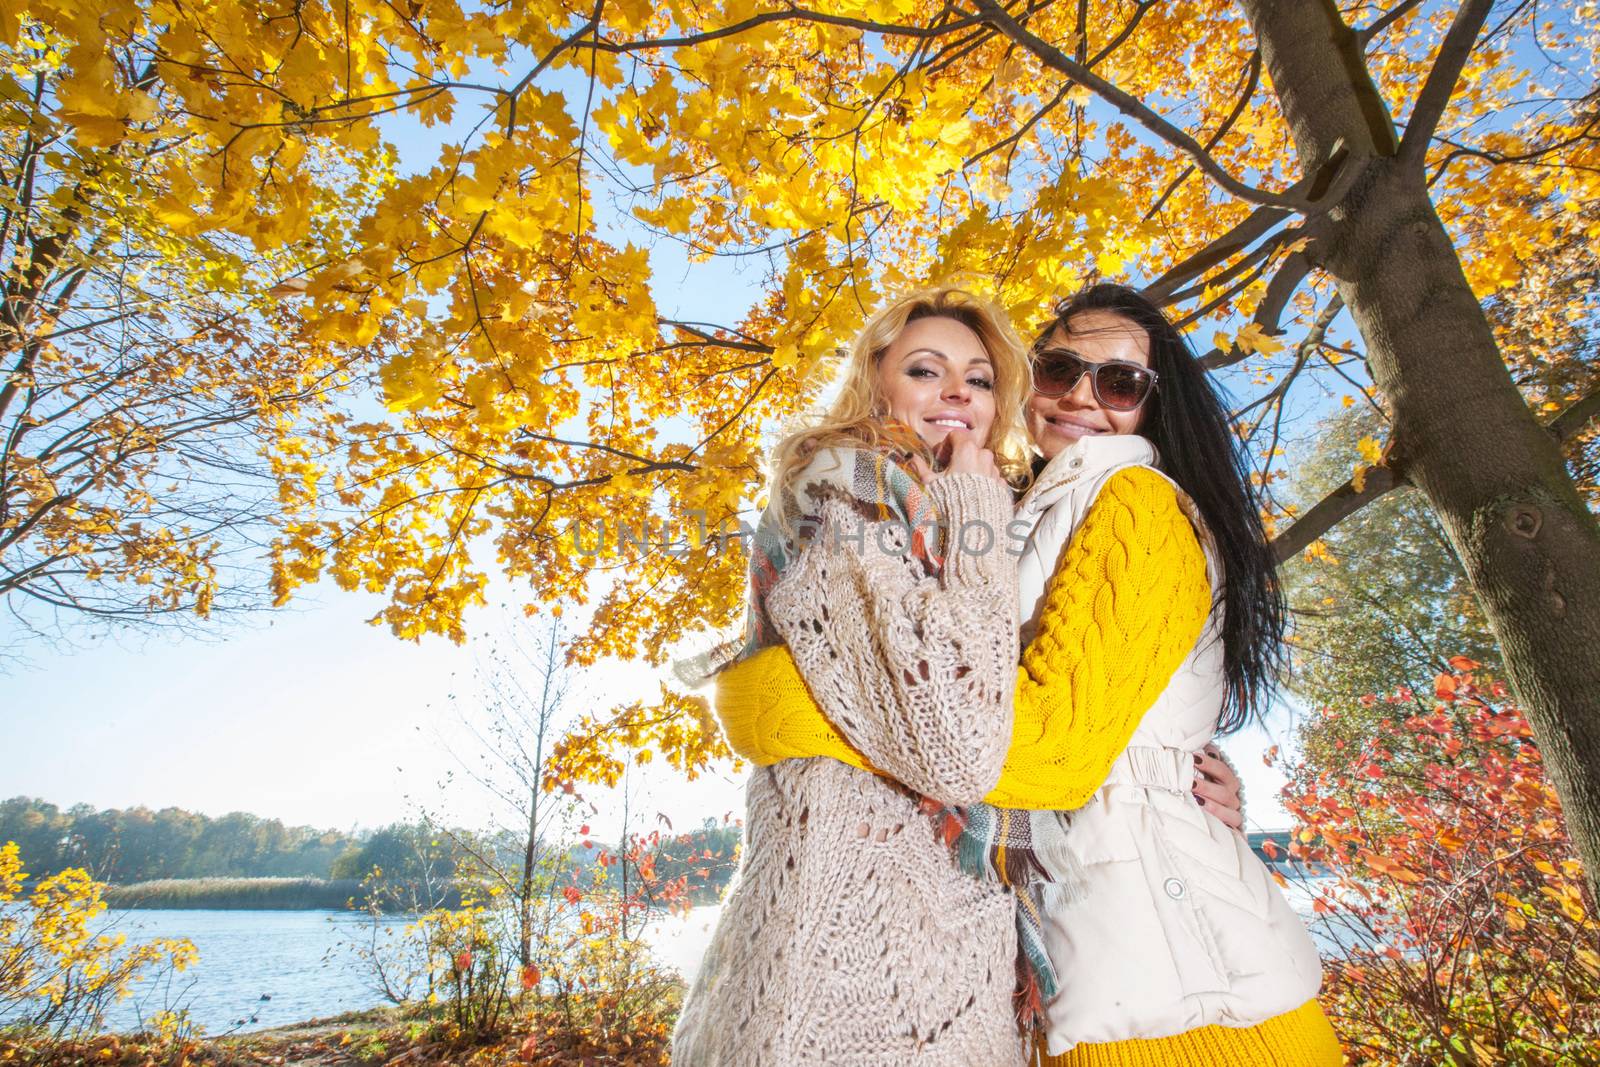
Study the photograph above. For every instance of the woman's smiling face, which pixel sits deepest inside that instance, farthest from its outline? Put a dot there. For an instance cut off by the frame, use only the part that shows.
(1096, 337)
(936, 377)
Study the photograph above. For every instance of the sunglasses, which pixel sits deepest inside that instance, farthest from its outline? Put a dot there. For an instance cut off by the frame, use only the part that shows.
(1117, 385)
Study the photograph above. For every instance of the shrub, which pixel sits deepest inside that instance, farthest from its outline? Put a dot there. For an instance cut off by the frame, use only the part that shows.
(58, 972)
(1469, 929)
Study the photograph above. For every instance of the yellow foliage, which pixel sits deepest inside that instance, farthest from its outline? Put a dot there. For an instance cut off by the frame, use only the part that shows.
(57, 960)
(526, 377)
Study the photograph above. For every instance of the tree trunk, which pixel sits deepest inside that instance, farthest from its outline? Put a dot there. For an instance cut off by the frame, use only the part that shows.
(1462, 431)
(530, 856)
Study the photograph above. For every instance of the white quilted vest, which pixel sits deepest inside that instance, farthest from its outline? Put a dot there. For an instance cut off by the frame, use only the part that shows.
(1182, 925)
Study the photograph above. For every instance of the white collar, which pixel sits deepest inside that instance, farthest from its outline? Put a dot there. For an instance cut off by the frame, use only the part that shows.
(1088, 455)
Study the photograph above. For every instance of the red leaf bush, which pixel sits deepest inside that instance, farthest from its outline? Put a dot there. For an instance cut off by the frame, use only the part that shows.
(1466, 929)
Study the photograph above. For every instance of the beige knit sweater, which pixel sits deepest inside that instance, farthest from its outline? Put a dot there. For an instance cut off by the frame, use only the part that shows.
(850, 938)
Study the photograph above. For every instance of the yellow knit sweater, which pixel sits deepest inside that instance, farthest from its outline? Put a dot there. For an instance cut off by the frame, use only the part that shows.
(1299, 1038)
(1125, 606)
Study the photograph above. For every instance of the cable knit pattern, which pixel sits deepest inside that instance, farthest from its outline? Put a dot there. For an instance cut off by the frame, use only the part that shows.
(1125, 607)
(850, 937)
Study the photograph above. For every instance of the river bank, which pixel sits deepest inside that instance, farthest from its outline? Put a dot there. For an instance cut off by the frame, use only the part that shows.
(236, 894)
(266, 969)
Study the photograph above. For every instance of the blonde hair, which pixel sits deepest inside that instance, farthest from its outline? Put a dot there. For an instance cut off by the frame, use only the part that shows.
(858, 415)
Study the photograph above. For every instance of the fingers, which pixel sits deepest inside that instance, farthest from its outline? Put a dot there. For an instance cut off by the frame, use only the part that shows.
(1217, 771)
(924, 471)
(967, 456)
(1232, 818)
(1213, 794)
(1216, 788)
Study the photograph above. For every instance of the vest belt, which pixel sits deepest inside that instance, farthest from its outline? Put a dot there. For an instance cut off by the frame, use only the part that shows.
(1171, 769)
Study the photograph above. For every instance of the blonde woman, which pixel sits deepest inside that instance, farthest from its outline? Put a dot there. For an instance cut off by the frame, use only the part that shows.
(850, 937)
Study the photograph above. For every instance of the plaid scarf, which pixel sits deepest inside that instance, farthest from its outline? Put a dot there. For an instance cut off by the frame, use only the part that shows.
(1026, 850)
(877, 483)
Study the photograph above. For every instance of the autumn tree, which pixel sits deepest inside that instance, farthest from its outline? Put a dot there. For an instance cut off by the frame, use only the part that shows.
(1394, 202)
(1465, 931)
(145, 369)
(514, 715)
(1380, 602)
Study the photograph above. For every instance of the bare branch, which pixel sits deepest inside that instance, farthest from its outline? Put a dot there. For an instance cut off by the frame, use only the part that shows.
(1332, 510)
(1441, 83)
(1570, 421)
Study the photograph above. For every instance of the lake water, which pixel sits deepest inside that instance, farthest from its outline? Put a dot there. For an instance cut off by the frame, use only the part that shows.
(261, 969)
(257, 968)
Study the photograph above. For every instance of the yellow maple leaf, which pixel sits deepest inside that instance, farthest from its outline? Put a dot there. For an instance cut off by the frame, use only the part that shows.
(1253, 339)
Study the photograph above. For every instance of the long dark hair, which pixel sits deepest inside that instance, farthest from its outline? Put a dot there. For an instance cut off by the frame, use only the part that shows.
(1187, 422)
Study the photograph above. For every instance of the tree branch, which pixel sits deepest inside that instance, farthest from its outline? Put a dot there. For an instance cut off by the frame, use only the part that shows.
(783, 15)
(1332, 510)
(997, 16)
(1571, 420)
(1251, 83)
(1441, 83)
(1280, 290)
(1347, 500)
(1387, 19)
(1234, 241)
(1140, 9)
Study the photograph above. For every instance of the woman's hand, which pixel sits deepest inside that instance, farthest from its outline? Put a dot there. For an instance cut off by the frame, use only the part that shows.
(960, 453)
(1216, 788)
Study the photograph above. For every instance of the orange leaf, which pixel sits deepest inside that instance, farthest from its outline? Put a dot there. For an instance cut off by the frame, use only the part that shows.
(1462, 663)
(1389, 868)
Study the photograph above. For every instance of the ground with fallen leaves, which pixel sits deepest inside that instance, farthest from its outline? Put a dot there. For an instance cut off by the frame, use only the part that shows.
(382, 1038)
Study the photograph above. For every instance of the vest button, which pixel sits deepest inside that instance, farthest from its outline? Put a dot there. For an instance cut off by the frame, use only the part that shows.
(1175, 888)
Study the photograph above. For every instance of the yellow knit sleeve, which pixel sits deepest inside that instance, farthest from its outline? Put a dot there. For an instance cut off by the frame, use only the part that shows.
(1126, 604)
(768, 714)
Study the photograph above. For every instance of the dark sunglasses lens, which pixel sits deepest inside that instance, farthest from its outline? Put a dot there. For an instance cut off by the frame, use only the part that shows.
(1122, 388)
(1055, 375)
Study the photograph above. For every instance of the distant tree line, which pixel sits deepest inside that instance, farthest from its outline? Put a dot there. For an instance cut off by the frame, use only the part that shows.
(132, 845)
(138, 844)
